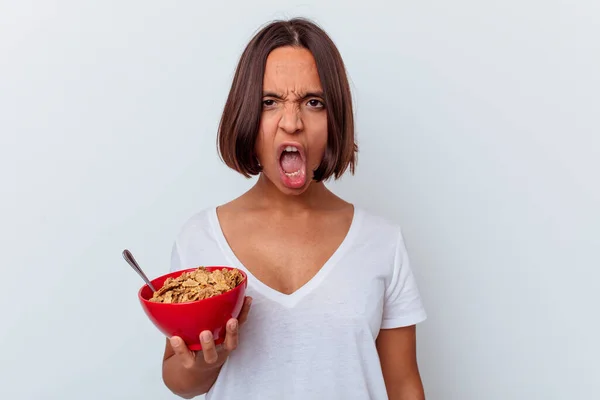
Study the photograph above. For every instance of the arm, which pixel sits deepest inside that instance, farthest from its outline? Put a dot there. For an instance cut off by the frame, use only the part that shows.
(188, 373)
(397, 353)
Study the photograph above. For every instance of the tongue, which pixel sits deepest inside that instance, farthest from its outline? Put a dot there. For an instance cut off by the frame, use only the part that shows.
(291, 161)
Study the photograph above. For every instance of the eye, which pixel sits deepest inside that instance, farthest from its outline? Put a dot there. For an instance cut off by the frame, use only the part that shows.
(315, 103)
(268, 103)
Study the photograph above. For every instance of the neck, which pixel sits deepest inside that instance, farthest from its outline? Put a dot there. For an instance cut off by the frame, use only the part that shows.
(265, 194)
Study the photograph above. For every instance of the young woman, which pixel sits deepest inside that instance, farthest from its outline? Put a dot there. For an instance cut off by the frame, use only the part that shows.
(334, 301)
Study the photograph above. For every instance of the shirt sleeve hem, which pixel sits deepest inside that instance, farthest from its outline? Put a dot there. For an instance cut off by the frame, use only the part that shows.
(407, 320)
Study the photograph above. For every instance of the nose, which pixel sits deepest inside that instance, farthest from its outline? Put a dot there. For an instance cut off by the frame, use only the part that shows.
(291, 120)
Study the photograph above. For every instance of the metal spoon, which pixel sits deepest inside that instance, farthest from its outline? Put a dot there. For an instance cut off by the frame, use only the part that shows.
(131, 261)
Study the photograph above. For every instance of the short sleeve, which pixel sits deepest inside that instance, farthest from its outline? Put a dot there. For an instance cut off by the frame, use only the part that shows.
(403, 305)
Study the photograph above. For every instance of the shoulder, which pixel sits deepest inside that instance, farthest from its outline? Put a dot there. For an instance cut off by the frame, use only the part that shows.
(375, 226)
(198, 224)
(199, 219)
(382, 239)
(379, 243)
(197, 242)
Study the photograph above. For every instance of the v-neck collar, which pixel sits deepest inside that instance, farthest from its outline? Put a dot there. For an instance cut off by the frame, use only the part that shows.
(288, 300)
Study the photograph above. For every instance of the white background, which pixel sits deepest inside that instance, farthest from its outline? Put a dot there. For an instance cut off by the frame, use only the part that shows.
(479, 133)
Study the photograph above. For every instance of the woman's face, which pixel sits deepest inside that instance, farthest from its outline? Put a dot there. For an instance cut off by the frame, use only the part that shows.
(293, 128)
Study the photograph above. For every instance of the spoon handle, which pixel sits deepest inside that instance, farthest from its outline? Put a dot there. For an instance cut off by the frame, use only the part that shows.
(131, 261)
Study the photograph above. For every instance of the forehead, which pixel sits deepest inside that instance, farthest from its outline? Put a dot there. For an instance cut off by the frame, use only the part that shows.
(291, 69)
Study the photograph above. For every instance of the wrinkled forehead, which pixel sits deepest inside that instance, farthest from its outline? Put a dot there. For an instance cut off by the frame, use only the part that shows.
(291, 70)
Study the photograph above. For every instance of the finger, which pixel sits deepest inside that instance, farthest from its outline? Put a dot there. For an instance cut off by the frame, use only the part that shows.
(186, 356)
(209, 349)
(245, 310)
(231, 338)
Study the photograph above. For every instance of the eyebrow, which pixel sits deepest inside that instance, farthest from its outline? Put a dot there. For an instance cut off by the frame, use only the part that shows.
(303, 96)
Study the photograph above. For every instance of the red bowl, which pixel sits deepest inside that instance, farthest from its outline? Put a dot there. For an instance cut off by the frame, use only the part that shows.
(187, 320)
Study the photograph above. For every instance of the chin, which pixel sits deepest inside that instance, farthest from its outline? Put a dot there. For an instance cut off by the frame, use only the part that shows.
(295, 191)
(289, 185)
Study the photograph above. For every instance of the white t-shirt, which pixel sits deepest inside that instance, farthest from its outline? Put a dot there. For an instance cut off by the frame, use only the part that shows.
(318, 342)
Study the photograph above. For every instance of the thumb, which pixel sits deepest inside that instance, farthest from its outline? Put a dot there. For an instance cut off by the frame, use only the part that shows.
(186, 356)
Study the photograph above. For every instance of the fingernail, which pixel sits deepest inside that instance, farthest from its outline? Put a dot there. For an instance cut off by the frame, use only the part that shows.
(174, 342)
(234, 325)
(205, 336)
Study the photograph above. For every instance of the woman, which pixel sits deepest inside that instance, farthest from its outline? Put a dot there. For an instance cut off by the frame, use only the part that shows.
(334, 301)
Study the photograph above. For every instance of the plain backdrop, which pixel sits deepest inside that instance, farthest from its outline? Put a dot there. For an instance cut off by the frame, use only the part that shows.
(478, 130)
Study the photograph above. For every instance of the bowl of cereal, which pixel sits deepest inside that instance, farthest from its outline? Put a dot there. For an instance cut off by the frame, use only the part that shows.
(193, 300)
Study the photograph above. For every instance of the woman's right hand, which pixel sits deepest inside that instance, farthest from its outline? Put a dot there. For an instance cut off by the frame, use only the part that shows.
(211, 356)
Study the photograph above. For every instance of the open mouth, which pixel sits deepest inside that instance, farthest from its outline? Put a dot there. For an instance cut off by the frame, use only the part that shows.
(292, 164)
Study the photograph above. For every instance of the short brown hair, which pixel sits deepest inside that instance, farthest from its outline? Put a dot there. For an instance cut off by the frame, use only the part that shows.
(240, 121)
